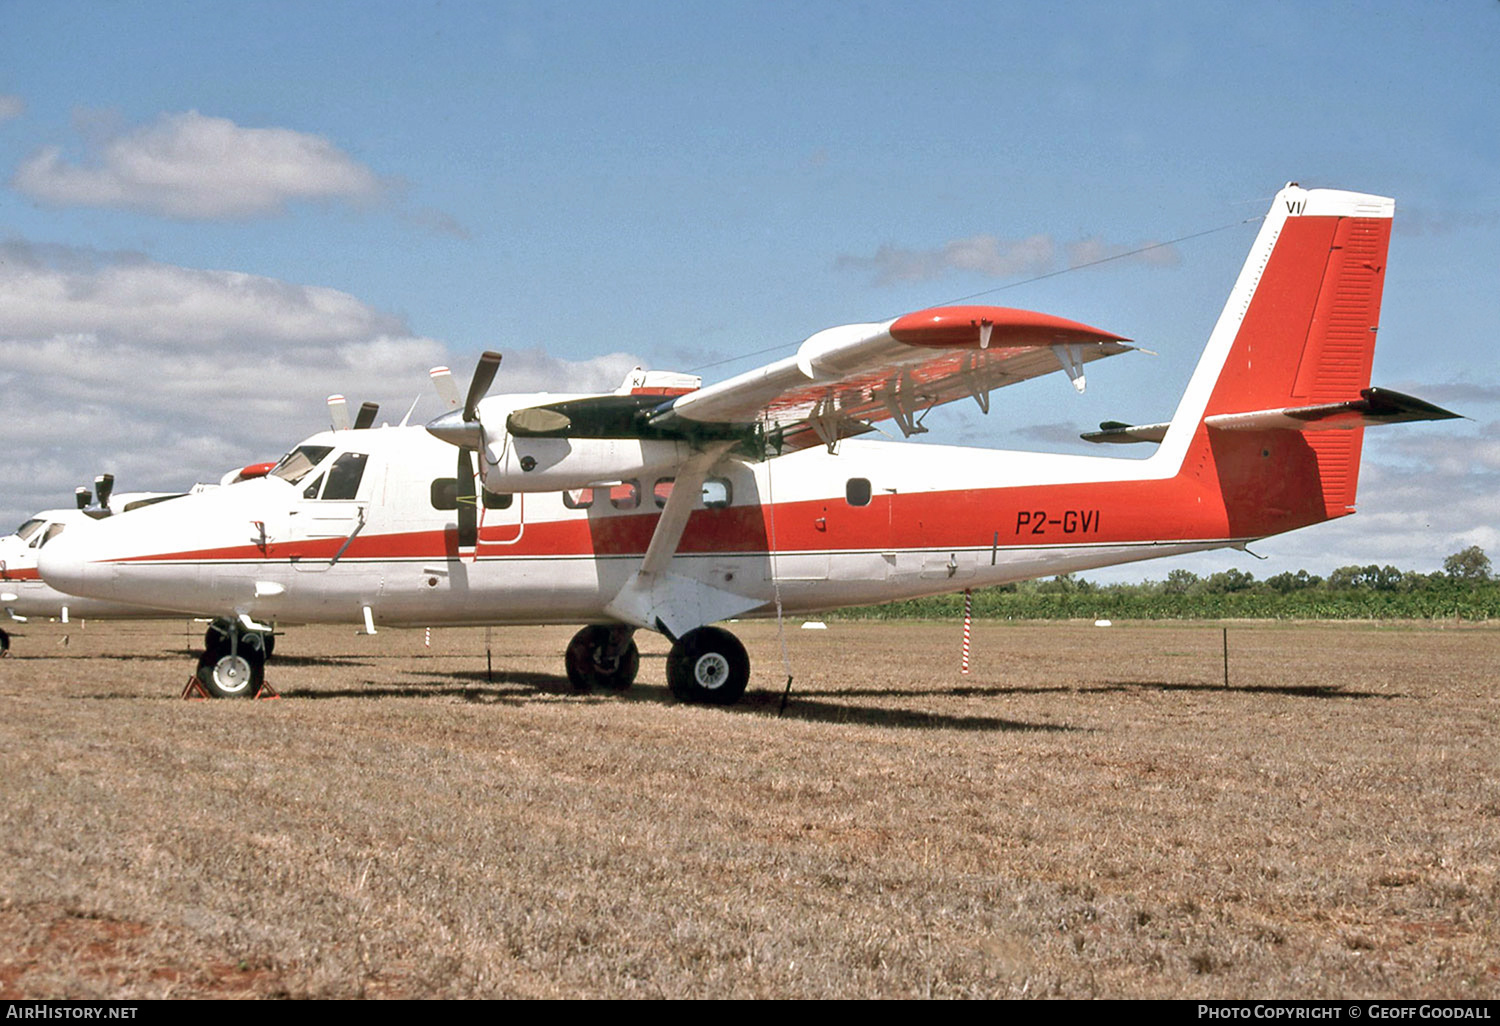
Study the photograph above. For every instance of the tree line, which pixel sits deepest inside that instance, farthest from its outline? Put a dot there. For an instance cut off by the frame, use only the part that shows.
(1465, 589)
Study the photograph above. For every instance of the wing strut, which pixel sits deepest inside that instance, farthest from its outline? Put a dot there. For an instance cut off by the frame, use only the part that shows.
(671, 603)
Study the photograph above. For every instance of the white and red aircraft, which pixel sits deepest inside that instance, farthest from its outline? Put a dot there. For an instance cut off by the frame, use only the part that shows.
(670, 507)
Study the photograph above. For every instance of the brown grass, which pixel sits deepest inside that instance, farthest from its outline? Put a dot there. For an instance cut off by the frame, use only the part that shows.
(1091, 812)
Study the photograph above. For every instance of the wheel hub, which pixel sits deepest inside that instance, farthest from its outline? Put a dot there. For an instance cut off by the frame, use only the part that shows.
(232, 673)
(711, 670)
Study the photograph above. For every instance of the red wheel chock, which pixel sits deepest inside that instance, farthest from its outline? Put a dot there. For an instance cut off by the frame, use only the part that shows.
(194, 690)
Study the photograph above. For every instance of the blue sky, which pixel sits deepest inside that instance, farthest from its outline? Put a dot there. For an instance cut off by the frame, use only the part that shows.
(214, 214)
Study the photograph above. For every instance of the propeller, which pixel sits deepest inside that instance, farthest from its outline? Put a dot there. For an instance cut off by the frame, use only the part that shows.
(104, 484)
(468, 500)
(338, 412)
(463, 428)
(366, 416)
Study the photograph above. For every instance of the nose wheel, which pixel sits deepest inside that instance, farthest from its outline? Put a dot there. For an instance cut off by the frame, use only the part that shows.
(708, 666)
(233, 664)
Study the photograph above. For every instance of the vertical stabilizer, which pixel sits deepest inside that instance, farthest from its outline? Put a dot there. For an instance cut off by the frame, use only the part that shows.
(1298, 330)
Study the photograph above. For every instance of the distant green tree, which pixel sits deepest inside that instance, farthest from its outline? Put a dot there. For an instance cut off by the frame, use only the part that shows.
(1470, 564)
(1230, 580)
(1179, 582)
(1287, 582)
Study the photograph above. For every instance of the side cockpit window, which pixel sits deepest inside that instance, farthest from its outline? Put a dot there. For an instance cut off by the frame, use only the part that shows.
(53, 531)
(344, 476)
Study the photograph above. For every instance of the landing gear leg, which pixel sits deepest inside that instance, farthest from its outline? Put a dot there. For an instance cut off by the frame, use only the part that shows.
(219, 631)
(605, 657)
(708, 665)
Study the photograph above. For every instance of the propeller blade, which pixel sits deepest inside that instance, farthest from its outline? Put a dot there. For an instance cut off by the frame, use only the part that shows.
(104, 484)
(484, 377)
(468, 501)
(82, 496)
(366, 416)
(338, 412)
(442, 380)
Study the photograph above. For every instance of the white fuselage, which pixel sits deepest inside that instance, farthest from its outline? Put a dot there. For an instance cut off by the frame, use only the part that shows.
(875, 522)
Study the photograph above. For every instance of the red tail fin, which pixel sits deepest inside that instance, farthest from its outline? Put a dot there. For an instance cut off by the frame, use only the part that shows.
(1299, 330)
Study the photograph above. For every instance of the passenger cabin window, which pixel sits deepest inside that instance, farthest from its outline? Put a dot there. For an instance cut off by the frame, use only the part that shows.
(298, 463)
(663, 491)
(625, 495)
(578, 498)
(857, 491)
(445, 493)
(344, 476)
(717, 494)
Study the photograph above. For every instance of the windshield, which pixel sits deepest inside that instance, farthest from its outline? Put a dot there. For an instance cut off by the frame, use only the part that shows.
(298, 463)
(29, 528)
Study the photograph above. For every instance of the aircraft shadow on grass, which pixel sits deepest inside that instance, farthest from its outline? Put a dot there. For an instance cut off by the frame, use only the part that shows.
(1289, 690)
(517, 688)
(998, 691)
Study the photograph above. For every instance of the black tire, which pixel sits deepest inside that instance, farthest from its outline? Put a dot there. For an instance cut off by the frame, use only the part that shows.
(4, 643)
(708, 666)
(590, 665)
(239, 675)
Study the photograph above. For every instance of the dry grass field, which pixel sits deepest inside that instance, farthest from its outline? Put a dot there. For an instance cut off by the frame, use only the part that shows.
(1091, 812)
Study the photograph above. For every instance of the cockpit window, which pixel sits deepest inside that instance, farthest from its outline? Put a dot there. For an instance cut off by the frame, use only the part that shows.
(52, 532)
(29, 528)
(298, 463)
(343, 477)
(311, 491)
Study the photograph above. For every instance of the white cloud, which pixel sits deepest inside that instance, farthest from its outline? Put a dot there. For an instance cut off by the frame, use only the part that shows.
(166, 375)
(192, 167)
(11, 106)
(990, 256)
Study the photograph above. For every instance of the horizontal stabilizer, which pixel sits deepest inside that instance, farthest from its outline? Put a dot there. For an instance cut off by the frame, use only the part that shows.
(1376, 406)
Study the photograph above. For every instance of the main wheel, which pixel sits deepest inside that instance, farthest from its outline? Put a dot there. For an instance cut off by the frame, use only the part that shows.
(4, 643)
(604, 657)
(708, 665)
(233, 675)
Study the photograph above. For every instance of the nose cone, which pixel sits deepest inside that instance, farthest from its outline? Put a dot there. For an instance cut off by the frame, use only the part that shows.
(68, 564)
(453, 429)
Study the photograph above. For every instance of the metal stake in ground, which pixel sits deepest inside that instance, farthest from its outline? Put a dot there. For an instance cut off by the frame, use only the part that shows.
(1226, 657)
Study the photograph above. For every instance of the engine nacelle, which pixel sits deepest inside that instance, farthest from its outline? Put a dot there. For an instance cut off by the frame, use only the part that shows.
(521, 464)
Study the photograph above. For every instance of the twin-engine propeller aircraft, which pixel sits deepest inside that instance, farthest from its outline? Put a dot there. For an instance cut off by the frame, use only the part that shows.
(669, 507)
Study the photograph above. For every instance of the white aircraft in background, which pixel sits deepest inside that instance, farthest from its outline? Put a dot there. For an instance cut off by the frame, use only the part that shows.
(667, 506)
(23, 593)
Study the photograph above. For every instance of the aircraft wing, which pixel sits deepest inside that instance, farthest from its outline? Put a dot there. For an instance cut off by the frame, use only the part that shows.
(843, 380)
